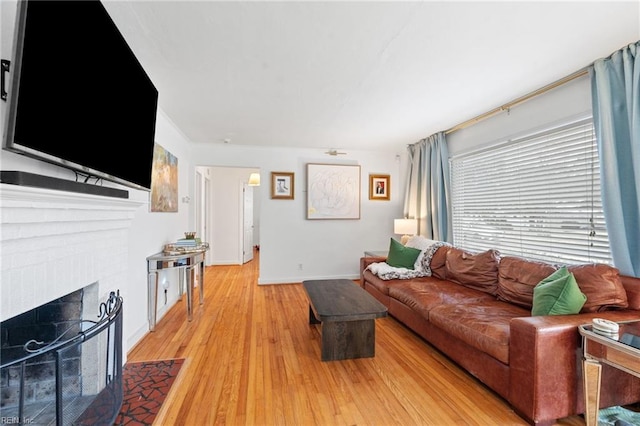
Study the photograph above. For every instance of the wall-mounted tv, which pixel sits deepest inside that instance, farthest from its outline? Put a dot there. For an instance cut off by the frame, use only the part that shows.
(78, 97)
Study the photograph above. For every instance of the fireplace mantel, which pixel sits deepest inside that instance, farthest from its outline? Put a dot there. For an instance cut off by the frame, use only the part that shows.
(55, 242)
(18, 193)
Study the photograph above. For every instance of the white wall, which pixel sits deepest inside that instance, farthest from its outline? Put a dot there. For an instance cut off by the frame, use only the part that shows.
(324, 248)
(151, 231)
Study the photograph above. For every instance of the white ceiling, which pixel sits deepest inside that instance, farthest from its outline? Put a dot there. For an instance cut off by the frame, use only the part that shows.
(357, 75)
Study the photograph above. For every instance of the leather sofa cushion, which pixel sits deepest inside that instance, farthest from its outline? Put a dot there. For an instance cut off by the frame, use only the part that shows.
(438, 263)
(423, 294)
(483, 325)
(602, 285)
(478, 271)
(517, 277)
(632, 288)
(381, 285)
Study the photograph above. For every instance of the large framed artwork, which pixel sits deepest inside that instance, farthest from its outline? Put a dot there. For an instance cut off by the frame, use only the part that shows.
(164, 181)
(333, 191)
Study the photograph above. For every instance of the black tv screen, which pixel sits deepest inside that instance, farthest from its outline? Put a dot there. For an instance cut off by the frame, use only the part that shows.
(79, 97)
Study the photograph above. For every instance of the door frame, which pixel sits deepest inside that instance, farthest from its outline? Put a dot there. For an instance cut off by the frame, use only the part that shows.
(246, 252)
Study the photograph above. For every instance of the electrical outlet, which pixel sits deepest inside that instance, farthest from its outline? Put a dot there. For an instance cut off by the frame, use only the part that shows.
(299, 266)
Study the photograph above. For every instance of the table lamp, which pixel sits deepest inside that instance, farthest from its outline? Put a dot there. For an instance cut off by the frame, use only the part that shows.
(406, 227)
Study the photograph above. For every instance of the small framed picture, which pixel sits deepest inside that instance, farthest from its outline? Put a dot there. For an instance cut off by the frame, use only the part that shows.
(380, 187)
(282, 185)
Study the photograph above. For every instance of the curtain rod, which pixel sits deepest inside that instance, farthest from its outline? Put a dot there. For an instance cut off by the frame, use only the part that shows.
(519, 100)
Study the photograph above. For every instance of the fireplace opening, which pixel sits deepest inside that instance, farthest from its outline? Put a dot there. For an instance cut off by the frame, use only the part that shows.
(62, 362)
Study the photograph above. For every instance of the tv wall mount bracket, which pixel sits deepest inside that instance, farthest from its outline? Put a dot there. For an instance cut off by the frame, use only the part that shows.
(5, 69)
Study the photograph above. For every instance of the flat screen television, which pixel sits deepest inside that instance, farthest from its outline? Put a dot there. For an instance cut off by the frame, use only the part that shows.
(78, 96)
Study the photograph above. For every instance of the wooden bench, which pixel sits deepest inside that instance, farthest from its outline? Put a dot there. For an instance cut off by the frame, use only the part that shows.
(347, 316)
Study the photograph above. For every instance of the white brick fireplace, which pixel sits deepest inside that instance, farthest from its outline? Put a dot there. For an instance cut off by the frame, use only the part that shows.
(53, 243)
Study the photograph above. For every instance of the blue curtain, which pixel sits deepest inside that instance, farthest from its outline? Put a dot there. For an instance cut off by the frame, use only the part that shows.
(428, 196)
(615, 84)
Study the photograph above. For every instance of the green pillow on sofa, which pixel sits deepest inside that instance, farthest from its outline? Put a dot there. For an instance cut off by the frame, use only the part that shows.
(558, 294)
(401, 256)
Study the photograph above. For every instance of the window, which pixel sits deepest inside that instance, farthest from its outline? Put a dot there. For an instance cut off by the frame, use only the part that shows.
(537, 197)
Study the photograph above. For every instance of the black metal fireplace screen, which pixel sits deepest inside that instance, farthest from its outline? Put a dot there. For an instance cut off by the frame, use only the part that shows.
(87, 372)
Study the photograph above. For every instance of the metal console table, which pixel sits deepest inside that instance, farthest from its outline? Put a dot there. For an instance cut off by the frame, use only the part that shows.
(190, 262)
(621, 351)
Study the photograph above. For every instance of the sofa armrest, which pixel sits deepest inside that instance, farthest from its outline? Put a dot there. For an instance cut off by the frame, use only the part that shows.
(366, 261)
(544, 363)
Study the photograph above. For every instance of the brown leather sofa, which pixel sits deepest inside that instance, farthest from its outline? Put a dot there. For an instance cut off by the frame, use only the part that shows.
(476, 309)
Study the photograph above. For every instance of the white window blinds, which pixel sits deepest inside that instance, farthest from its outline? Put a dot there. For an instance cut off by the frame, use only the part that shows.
(537, 197)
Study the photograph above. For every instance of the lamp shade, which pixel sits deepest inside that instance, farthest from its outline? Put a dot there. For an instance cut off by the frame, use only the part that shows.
(254, 179)
(405, 226)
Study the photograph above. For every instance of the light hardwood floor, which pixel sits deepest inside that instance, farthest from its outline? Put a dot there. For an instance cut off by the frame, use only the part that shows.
(251, 358)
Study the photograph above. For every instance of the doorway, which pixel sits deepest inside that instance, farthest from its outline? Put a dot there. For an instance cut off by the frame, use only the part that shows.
(224, 213)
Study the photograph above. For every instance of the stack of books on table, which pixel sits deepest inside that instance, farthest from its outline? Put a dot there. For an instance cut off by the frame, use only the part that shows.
(188, 242)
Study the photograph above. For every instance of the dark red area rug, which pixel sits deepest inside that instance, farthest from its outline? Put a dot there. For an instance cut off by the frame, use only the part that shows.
(146, 385)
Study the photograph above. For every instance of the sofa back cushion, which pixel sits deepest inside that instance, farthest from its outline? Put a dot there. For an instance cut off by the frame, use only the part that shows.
(602, 286)
(428, 248)
(517, 277)
(438, 263)
(478, 271)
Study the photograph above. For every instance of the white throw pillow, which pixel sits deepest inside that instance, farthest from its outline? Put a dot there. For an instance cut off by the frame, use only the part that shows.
(421, 243)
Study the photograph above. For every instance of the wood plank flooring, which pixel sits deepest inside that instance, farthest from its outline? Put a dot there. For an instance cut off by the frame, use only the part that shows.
(253, 359)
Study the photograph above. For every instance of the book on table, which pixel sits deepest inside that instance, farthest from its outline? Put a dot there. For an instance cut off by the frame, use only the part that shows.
(188, 241)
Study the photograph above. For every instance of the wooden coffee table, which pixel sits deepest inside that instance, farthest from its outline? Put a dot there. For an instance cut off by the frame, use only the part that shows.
(347, 316)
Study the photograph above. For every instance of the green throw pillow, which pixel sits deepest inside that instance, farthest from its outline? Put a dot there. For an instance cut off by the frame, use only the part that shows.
(401, 256)
(558, 294)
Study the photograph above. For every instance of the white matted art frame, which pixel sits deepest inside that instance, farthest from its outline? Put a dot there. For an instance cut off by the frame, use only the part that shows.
(333, 191)
(282, 185)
